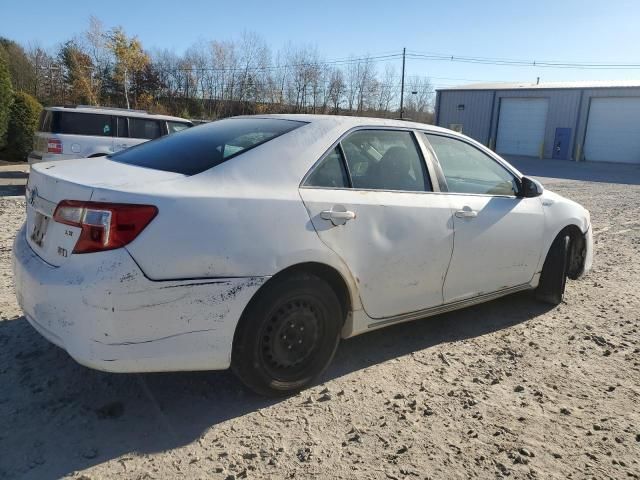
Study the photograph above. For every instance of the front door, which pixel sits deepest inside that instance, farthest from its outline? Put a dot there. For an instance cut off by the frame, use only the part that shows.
(381, 217)
(561, 144)
(498, 236)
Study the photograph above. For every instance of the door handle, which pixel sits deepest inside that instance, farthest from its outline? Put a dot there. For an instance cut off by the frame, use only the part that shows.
(338, 215)
(466, 213)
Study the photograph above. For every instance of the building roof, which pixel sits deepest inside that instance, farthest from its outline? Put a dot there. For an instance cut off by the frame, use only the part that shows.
(547, 85)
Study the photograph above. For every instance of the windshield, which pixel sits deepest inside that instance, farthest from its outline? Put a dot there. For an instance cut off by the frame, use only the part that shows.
(197, 149)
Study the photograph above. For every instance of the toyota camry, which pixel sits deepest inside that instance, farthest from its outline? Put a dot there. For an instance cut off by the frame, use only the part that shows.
(258, 242)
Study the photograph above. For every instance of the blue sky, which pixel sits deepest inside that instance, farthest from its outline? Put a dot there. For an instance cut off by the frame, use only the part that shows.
(565, 30)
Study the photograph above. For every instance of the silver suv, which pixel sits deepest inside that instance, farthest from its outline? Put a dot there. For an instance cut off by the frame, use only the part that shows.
(79, 132)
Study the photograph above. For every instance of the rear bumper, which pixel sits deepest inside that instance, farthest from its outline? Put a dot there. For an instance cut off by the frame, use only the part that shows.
(107, 315)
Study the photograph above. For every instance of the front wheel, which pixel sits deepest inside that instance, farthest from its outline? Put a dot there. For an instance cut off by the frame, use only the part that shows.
(288, 335)
(553, 278)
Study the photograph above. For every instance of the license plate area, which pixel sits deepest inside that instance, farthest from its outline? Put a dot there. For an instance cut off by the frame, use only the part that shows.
(40, 224)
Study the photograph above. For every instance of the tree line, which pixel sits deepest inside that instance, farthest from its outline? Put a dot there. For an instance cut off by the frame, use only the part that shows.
(212, 79)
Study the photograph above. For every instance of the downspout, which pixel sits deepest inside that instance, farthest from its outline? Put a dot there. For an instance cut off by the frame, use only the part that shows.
(577, 152)
(493, 107)
(437, 119)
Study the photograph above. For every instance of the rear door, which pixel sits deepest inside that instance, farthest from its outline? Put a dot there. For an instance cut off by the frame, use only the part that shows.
(498, 236)
(370, 200)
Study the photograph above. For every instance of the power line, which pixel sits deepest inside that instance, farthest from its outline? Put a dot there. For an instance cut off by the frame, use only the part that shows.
(346, 61)
(524, 63)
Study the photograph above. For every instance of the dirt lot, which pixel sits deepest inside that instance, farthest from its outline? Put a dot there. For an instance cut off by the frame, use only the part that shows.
(510, 388)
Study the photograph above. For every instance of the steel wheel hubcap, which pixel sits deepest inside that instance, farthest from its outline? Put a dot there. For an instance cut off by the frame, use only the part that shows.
(291, 335)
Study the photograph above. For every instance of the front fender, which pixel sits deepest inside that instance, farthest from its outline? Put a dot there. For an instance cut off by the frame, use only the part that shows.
(561, 213)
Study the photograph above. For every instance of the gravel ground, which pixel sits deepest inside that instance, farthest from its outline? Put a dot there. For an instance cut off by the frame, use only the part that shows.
(509, 388)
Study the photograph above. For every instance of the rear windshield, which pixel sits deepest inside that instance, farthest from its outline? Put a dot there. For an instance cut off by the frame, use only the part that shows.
(197, 149)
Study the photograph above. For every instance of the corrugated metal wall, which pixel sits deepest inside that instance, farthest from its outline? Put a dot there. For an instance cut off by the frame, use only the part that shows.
(568, 108)
(476, 116)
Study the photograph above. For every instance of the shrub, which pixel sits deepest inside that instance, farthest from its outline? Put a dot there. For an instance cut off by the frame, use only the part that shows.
(23, 123)
(6, 97)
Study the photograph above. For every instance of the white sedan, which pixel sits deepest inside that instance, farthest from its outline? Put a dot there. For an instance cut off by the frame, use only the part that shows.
(256, 243)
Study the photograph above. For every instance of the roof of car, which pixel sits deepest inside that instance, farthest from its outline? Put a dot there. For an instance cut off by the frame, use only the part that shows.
(350, 122)
(115, 111)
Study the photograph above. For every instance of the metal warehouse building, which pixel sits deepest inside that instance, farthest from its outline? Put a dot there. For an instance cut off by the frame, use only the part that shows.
(594, 121)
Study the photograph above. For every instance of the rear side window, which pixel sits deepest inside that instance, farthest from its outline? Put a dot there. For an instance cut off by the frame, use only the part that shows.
(385, 160)
(73, 123)
(195, 150)
(330, 173)
(144, 128)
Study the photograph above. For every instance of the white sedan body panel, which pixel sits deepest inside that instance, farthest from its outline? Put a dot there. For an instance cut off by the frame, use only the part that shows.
(558, 213)
(497, 249)
(109, 316)
(172, 298)
(398, 246)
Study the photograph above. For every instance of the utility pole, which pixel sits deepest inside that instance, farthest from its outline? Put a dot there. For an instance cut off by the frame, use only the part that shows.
(404, 51)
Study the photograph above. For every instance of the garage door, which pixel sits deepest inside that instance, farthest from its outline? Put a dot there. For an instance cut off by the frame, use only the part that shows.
(521, 126)
(613, 130)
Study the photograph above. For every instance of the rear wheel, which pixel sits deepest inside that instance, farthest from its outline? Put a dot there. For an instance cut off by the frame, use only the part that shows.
(288, 335)
(553, 278)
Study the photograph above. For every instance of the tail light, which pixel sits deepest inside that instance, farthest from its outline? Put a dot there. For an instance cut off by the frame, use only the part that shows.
(105, 226)
(54, 145)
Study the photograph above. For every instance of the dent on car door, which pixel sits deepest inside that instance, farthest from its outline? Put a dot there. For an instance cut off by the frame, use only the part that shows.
(498, 235)
(369, 201)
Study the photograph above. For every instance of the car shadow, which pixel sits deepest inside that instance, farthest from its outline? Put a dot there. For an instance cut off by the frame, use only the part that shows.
(57, 417)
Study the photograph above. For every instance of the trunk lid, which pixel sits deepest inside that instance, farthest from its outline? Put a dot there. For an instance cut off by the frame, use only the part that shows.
(51, 182)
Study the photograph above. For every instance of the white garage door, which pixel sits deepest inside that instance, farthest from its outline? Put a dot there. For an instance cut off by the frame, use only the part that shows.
(521, 126)
(613, 130)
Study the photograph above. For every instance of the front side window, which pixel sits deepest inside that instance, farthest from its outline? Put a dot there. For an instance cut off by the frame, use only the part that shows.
(468, 170)
(385, 160)
(75, 123)
(195, 150)
(330, 173)
(144, 128)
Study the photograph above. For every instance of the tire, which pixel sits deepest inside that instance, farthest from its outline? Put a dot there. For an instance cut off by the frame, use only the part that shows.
(287, 336)
(553, 278)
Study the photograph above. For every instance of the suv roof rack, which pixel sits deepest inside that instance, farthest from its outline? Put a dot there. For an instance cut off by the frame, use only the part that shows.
(110, 108)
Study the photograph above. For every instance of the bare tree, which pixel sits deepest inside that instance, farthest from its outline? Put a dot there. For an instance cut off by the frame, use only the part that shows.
(419, 104)
(337, 89)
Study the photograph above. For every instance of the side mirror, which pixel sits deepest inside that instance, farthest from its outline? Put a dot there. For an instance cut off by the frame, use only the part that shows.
(530, 188)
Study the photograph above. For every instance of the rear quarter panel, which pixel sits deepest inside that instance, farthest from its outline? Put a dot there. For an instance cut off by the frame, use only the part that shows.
(243, 218)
